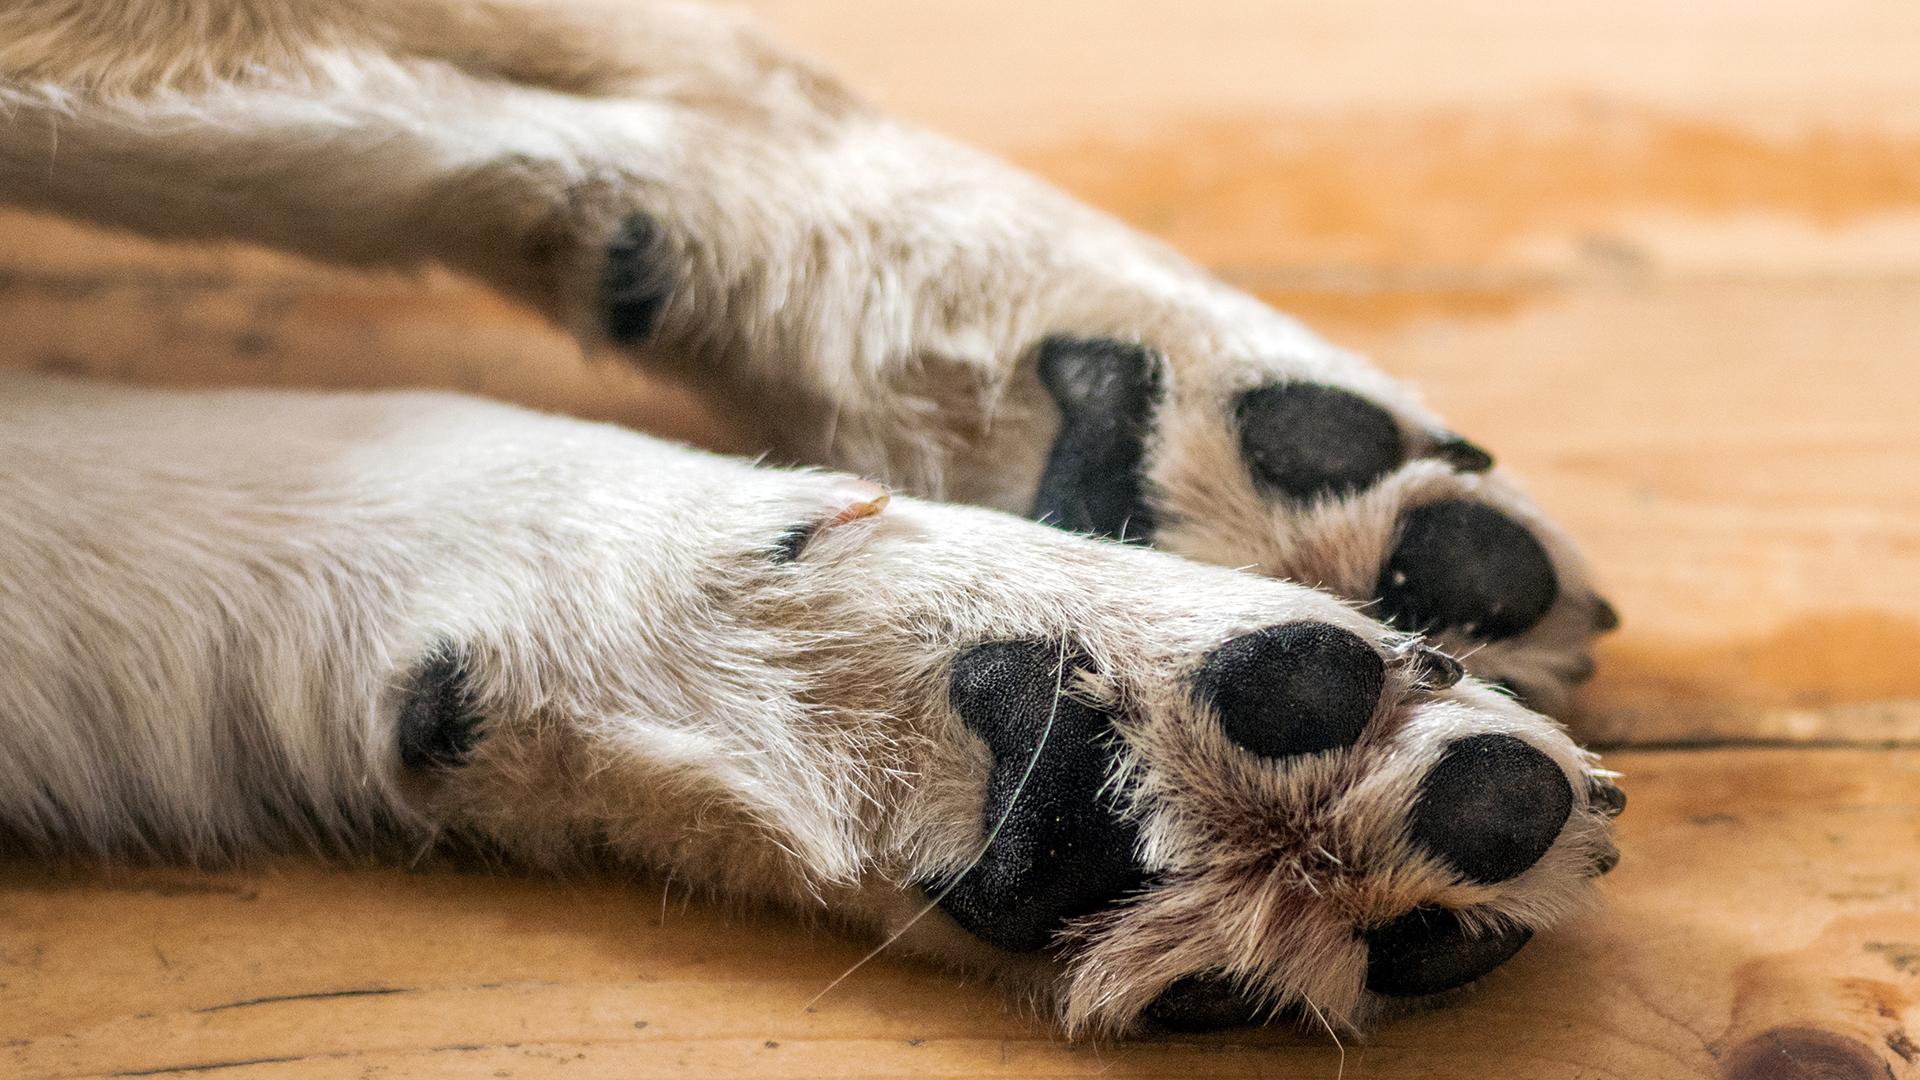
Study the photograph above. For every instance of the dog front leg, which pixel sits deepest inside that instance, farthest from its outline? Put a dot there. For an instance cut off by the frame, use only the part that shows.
(1142, 788)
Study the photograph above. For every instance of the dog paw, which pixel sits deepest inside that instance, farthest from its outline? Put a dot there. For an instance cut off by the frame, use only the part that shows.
(1282, 455)
(1160, 793)
(1310, 820)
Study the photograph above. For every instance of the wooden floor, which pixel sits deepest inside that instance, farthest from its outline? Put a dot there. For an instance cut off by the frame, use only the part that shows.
(1664, 258)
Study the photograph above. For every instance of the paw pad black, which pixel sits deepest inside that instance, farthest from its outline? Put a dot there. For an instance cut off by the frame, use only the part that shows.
(636, 280)
(1468, 566)
(1303, 439)
(1491, 807)
(1296, 688)
(1428, 950)
(1062, 850)
(1203, 1003)
(1106, 391)
(437, 726)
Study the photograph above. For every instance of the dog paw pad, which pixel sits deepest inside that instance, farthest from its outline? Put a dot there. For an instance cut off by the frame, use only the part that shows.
(1197, 1003)
(1106, 391)
(1491, 807)
(1461, 454)
(1466, 566)
(1429, 950)
(1058, 849)
(1303, 440)
(1297, 688)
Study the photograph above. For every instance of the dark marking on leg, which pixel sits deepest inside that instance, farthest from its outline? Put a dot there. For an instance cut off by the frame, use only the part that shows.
(1491, 807)
(1106, 391)
(1064, 850)
(636, 280)
(792, 541)
(437, 726)
(1461, 454)
(1428, 950)
(1296, 688)
(1208, 1002)
(1466, 566)
(1304, 440)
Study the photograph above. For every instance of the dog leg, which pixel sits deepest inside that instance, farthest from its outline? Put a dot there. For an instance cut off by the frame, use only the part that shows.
(1144, 789)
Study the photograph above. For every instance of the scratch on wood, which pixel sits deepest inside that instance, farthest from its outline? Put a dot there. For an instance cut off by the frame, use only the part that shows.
(210, 1066)
(322, 995)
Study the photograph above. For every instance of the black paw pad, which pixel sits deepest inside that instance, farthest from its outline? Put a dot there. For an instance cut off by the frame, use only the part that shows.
(1106, 391)
(1491, 807)
(1062, 849)
(1297, 688)
(1203, 1003)
(1468, 566)
(636, 280)
(1428, 950)
(1303, 439)
(437, 726)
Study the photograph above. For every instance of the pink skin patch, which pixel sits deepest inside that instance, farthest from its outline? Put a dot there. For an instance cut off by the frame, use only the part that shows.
(858, 499)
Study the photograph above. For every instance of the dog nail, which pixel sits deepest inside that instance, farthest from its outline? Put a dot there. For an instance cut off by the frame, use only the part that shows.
(1461, 454)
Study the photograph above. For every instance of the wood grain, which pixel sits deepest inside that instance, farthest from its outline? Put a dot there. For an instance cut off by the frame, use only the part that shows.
(1767, 899)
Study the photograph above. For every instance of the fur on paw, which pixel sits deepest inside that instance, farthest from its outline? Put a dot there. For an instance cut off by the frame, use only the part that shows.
(1299, 462)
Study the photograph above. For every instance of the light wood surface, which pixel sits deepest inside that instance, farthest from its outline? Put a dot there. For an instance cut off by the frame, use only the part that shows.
(1663, 258)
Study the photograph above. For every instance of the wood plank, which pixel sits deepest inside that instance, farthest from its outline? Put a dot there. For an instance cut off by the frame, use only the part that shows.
(77, 301)
(1767, 900)
(1003, 72)
(1447, 142)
